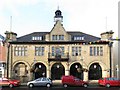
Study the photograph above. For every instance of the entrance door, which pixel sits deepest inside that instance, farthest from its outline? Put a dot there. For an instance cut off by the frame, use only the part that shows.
(76, 70)
(57, 71)
(95, 72)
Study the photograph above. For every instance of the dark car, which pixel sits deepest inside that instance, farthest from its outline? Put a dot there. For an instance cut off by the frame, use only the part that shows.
(109, 81)
(43, 81)
(73, 81)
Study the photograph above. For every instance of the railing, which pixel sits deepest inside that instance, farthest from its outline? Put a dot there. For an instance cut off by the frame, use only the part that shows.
(58, 57)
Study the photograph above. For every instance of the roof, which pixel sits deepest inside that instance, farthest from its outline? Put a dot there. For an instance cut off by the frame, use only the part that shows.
(28, 38)
(87, 37)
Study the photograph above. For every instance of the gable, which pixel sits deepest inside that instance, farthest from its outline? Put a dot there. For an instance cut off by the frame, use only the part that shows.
(58, 30)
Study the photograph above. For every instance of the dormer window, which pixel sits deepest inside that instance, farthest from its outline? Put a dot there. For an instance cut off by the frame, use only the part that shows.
(37, 38)
(78, 38)
(57, 37)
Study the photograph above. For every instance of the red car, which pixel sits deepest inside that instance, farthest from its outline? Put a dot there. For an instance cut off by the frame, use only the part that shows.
(9, 82)
(73, 81)
(109, 81)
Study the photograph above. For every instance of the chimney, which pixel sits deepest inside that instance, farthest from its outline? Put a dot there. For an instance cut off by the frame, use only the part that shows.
(10, 36)
(107, 35)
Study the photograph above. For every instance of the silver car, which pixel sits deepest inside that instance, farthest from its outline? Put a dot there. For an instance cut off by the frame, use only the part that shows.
(43, 81)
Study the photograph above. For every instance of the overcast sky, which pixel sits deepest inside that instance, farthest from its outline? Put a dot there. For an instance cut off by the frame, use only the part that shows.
(88, 16)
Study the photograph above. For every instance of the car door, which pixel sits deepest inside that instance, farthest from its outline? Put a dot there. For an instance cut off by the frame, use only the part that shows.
(78, 82)
(43, 81)
(119, 82)
(116, 81)
(113, 82)
(37, 82)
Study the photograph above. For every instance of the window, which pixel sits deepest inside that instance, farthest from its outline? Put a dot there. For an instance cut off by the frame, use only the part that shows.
(62, 51)
(37, 38)
(76, 51)
(20, 51)
(57, 51)
(101, 51)
(96, 51)
(91, 51)
(53, 51)
(39, 51)
(78, 38)
(57, 37)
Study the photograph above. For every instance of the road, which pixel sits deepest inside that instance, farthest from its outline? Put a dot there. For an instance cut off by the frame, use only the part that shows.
(60, 88)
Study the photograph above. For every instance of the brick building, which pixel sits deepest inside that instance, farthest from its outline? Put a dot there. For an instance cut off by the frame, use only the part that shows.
(2, 57)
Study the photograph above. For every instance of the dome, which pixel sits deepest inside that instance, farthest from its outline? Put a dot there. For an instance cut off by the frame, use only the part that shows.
(58, 14)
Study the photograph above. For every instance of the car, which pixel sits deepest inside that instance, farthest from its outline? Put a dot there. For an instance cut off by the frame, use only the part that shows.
(73, 81)
(42, 81)
(9, 82)
(109, 81)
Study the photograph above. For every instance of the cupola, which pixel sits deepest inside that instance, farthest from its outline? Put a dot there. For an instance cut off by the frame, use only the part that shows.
(58, 16)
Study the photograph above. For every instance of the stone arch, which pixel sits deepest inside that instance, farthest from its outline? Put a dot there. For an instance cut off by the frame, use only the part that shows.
(103, 65)
(76, 70)
(104, 68)
(95, 72)
(20, 71)
(45, 63)
(55, 75)
(21, 61)
(38, 69)
(82, 63)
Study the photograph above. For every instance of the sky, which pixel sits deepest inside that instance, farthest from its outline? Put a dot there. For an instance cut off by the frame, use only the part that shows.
(89, 16)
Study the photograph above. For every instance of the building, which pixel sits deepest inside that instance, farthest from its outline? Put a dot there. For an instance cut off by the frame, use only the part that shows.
(2, 57)
(59, 52)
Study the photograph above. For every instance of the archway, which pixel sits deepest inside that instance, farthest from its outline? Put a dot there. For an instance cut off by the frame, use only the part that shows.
(57, 71)
(76, 70)
(20, 72)
(95, 71)
(39, 70)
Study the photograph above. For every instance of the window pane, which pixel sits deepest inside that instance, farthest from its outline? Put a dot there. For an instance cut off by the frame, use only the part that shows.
(101, 51)
(91, 51)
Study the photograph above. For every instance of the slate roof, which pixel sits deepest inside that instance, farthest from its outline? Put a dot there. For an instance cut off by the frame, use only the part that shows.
(87, 37)
(28, 38)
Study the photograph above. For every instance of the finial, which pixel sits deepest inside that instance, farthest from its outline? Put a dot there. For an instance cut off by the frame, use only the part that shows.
(58, 7)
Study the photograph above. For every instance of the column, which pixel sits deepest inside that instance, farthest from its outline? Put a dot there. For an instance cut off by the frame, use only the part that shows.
(105, 73)
(67, 71)
(48, 71)
(85, 76)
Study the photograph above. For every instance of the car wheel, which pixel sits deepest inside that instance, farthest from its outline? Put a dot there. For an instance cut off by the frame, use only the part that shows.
(31, 85)
(85, 85)
(107, 85)
(11, 85)
(48, 85)
(65, 85)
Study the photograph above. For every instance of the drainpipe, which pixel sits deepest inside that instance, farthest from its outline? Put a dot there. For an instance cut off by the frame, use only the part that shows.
(110, 57)
(8, 50)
